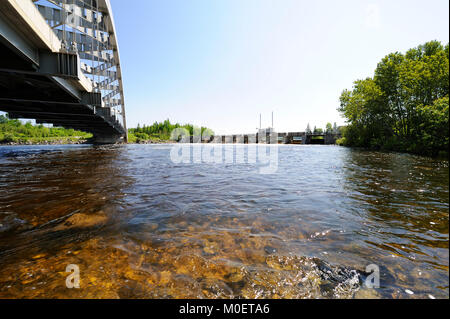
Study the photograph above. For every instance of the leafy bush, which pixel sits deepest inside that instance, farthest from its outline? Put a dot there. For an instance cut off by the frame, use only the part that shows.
(8, 138)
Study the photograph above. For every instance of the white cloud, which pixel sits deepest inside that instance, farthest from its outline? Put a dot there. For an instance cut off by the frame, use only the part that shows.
(372, 18)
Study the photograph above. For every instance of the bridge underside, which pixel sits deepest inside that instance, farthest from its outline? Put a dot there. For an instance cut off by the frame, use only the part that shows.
(28, 94)
(41, 79)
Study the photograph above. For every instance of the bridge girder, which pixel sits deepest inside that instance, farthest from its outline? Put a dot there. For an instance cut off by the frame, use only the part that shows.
(87, 27)
(61, 63)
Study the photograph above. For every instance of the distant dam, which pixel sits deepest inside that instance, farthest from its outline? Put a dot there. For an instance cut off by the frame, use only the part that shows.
(275, 138)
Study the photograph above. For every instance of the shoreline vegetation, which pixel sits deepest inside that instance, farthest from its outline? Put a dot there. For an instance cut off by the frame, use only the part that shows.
(15, 132)
(404, 107)
(159, 132)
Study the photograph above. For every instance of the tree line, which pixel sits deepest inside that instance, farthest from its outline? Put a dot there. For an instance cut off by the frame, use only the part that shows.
(404, 106)
(329, 129)
(162, 131)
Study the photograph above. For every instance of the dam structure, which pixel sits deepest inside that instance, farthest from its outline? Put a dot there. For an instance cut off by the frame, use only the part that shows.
(266, 137)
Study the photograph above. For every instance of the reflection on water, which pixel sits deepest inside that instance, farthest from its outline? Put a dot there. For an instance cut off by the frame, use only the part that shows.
(140, 226)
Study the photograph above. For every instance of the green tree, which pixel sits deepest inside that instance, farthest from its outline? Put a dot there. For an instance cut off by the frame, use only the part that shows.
(317, 130)
(308, 129)
(434, 126)
(401, 106)
(3, 119)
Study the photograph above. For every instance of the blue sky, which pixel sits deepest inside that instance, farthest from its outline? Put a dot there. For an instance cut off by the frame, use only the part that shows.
(219, 63)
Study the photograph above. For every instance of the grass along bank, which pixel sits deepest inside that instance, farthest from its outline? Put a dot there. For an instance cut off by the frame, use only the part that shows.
(15, 132)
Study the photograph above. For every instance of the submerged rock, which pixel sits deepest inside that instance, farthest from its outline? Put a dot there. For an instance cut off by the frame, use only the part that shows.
(9, 222)
(367, 293)
(337, 274)
(82, 220)
(270, 250)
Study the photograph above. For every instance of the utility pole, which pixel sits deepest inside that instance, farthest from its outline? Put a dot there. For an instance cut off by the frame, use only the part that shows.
(272, 120)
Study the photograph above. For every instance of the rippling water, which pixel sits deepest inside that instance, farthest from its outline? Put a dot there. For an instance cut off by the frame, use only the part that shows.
(140, 226)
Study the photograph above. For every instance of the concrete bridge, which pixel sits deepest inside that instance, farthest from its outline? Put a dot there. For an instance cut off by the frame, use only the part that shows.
(60, 65)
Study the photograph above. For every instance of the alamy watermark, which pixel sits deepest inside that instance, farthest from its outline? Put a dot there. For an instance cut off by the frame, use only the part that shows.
(73, 280)
(373, 279)
(262, 152)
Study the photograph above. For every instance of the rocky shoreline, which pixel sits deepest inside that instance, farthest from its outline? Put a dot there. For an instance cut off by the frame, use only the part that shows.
(154, 142)
(79, 142)
(52, 142)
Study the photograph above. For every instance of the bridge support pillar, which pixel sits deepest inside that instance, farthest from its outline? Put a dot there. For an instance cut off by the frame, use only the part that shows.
(108, 139)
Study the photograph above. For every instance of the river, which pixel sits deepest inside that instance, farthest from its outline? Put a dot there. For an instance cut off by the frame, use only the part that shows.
(139, 225)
